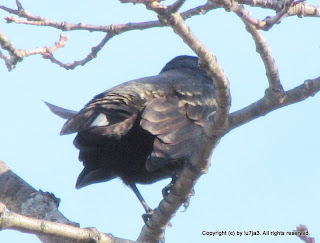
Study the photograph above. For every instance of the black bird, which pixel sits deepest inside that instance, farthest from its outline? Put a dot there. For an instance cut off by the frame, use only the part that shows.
(143, 130)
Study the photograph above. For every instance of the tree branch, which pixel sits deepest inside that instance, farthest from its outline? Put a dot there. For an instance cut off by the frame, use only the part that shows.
(10, 220)
(290, 8)
(301, 9)
(21, 198)
(111, 30)
(37, 212)
(264, 106)
(117, 29)
(263, 49)
(93, 54)
(16, 55)
(265, 24)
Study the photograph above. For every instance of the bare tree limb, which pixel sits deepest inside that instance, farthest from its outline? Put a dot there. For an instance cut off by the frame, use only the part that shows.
(111, 30)
(118, 29)
(263, 106)
(290, 8)
(65, 26)
(265, 24)
(10, 220)
(21, 198)
(93, 54)
(300, 10)
(37, 212)
(16, 55)
(304, 10)
(275, 90)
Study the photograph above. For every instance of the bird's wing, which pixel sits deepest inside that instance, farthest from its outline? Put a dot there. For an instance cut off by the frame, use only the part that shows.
(103, 117)
(177, 126)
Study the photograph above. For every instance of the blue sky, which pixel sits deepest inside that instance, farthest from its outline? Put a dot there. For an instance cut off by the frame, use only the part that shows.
(264, 175)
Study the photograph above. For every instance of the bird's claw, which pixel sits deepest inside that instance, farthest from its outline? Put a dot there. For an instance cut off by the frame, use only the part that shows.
(187, 202)
(147, 216)
(167, 189)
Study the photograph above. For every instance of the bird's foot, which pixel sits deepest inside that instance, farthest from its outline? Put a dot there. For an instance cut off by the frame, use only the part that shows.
(147, 216)
(167, 189)
(187, 202)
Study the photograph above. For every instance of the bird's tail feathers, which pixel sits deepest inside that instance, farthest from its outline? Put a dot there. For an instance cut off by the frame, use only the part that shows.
(92, 176)
(61, 112)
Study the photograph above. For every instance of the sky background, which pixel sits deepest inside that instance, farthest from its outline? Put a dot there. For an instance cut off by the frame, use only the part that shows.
(264, 175)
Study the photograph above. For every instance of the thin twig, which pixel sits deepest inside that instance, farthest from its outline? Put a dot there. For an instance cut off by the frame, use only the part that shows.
(93, 54)
(271, 21)
(65, 26)
(16, 55)
(265, 24)
(118, 28)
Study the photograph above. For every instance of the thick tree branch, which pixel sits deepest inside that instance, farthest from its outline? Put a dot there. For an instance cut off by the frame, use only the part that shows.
(181, 191)
(10, 220)
(264, 106)
(37, 212)
(21, 198)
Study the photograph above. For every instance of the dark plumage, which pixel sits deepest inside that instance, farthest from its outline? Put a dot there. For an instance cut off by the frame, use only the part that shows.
(143, 130)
